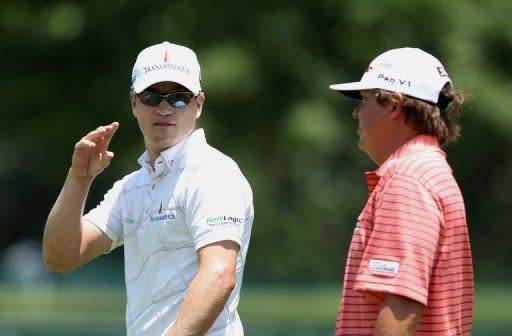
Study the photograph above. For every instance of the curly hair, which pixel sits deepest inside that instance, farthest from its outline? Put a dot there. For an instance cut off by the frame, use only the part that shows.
(428, 118)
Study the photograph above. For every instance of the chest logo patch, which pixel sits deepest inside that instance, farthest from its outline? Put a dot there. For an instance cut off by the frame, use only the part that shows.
(163, 216)
(224, 220)
(383, 267)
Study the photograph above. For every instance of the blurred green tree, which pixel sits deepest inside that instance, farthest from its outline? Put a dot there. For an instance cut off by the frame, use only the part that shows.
(266, 71)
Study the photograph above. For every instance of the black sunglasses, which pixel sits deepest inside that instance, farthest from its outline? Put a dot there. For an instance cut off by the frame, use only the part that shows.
(175, 99)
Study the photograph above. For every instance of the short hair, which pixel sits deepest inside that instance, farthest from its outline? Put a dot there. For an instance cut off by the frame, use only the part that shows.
(440, 120)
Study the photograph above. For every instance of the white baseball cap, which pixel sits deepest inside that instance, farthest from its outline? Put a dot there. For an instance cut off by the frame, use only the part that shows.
(410, 71)
(166, 62)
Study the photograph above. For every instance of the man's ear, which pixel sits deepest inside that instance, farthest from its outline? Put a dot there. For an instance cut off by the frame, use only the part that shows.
(199, 101)
(133, 101)
(397, 107)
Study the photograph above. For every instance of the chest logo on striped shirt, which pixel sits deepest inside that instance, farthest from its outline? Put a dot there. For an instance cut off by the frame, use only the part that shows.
(383, 267)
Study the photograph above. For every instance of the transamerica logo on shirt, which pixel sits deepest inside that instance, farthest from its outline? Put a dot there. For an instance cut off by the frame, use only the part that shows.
(163, 217)
(222, 220)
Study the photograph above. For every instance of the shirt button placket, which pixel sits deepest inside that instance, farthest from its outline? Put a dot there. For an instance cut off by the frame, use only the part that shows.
(148, 201)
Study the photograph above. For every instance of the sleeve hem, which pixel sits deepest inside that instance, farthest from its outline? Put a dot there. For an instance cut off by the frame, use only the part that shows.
(110, 234)
(387, 289)
(217, 238)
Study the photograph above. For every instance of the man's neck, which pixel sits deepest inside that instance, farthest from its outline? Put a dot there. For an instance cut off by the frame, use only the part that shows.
(396, 140)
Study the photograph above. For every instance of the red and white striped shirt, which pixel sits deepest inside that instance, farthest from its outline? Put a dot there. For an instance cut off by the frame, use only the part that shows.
(410, 240)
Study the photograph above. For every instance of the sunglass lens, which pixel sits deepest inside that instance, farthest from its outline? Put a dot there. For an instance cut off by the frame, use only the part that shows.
(176, 100)
(151, 98)
(179, 99)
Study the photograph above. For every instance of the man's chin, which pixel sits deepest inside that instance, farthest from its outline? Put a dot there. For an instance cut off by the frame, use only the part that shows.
(361, 145)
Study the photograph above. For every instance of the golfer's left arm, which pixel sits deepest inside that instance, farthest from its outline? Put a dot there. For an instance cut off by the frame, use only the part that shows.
(209, 290)
(398, 316)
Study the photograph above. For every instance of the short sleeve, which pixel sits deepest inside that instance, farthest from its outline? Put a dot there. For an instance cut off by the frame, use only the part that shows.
(107, 216)
(401, 248)
(218, 204)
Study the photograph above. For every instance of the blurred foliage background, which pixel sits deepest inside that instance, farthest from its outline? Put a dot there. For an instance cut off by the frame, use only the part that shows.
(266, 67)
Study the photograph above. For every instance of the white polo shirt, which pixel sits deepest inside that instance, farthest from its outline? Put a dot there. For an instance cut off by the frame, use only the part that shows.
(194, 196)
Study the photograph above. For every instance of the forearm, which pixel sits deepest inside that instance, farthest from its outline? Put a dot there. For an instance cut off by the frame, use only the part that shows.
(63, 231)
(204, 300)
(398, 316)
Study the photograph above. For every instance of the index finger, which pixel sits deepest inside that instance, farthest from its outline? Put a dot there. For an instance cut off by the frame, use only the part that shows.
(110, 131)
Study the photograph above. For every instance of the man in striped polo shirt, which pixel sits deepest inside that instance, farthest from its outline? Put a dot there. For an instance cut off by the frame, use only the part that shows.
(409, 268)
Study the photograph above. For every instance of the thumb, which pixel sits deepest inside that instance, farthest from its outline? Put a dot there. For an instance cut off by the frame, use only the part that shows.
(105, 158)
(109, 155)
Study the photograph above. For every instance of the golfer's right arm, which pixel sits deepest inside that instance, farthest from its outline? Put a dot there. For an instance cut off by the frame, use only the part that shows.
(68, 240)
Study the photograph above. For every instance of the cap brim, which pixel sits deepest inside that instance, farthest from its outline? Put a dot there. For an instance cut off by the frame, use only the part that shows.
(352, 90)
(151, 79)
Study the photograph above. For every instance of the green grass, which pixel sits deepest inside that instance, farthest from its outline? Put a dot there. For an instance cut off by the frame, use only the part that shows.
(61, 300)
(264, 310)
(317, 304)
(290, 304)
(493, 305)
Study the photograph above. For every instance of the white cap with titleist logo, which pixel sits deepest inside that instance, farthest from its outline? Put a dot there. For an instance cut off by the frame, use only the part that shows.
(166, 62)
(410, 71)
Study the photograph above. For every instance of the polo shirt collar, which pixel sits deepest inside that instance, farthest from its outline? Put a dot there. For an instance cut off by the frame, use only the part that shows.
(174, 157)
(418, 144)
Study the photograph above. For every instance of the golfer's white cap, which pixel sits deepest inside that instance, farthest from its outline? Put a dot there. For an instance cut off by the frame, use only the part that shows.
(166, 62)
(410, 71)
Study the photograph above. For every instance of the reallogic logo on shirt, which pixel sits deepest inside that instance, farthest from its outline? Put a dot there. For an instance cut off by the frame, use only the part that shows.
(223, 220)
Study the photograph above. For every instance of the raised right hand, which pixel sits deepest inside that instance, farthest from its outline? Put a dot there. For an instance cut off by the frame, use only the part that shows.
(91, 155)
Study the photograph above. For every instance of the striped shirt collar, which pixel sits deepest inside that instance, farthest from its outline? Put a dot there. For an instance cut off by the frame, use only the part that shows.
(417, 144)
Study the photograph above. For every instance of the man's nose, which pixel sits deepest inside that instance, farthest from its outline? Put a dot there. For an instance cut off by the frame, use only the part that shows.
(164, 108)
(355, 113)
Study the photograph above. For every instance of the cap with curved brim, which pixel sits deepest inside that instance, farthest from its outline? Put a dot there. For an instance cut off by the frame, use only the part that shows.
(410, 71)
(166, 62)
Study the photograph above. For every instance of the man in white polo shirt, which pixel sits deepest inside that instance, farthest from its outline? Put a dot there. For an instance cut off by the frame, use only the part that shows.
(184, 217)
